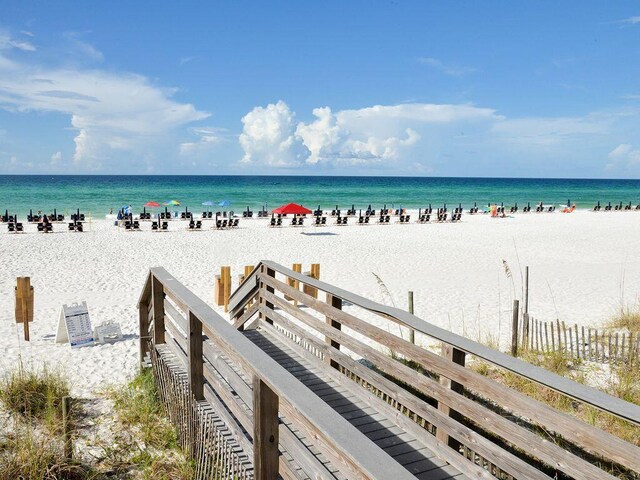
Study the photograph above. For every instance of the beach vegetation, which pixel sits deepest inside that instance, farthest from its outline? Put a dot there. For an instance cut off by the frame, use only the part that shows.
(628, 318)
(35, 394)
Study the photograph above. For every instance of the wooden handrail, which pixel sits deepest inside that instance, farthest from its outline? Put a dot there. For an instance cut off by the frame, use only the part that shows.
(356, 452)
(590, 396)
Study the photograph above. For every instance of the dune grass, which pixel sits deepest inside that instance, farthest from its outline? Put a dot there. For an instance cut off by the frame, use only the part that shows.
(627, 317)
(35, 394)
(141, 444)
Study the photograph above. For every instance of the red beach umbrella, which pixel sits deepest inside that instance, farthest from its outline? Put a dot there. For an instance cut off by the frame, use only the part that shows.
(152, 204)
(291, 208)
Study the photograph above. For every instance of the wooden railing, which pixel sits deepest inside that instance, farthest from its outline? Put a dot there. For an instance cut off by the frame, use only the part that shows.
(239, 413)
(467, 417)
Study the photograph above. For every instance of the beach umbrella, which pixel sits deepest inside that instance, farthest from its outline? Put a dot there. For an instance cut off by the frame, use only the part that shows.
(291, 208)
(172, 203)
(224, 203)
(152, 204)
(207, 204)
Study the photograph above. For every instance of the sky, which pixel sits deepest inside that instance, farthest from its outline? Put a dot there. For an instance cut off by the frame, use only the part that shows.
(407, 88)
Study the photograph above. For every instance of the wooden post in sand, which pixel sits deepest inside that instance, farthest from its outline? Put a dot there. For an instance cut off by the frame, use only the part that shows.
(412, 332)
(66, 430)
(514, 328)
(525, 309)
(314, 273)
(225, 278)
(24, 304)
(296, 267)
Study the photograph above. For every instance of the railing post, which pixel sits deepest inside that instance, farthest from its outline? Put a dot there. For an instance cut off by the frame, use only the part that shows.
(265, 431)
(143, 320)
(457, 356)
(157, 293)
(270, 273)
(412, 332)
(514, 328)
(196, 373)
(335, 302)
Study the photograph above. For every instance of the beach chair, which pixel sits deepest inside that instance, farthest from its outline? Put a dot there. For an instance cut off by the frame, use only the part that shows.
(607, 208)
(551, 209)
(597, 207)
(19, 227)
(154, 226)
(456, 217)
(638, 207)
(317, 221)
(424, 218)
(294, 222)
(11, 227)
(628, 207)
(527, 209)
(234, 223)
(514, 209)
(165, 226)
(80, 228)
(192, 225)
(351, 212)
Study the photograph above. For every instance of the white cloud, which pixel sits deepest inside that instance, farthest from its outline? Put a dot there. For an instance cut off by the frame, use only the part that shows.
(83, 48)
(372, 135)
(7, 42)
(625, 155)
(632, 20)
(269, 137)
(549, 131)
(110, 111)
(451, 70)
(56, 158)
(208, 138)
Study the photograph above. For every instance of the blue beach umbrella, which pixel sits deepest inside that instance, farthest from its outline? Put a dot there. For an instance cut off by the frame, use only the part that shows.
(224, 203)
(207, 204)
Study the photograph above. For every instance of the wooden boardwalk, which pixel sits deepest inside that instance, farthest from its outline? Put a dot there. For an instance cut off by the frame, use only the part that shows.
(307, 381)
(404, 448)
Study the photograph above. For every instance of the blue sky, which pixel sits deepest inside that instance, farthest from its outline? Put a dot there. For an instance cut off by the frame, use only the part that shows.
(531, 89)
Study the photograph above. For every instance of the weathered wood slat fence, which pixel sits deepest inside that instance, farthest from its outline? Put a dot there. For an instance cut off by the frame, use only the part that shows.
(242, 415)
(598, 345)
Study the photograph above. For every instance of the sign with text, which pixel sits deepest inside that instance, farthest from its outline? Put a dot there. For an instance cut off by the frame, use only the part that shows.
(74, 326)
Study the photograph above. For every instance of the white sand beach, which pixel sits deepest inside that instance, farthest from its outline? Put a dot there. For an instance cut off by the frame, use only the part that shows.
(583, 266)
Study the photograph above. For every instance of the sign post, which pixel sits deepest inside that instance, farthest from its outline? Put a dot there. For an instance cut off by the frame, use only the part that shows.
(24, 303)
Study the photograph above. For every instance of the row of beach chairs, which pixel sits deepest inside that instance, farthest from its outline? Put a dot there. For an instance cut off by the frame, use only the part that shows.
(618, 207)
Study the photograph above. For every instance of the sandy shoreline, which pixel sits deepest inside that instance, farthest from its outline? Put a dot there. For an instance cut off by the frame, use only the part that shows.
(582, 266)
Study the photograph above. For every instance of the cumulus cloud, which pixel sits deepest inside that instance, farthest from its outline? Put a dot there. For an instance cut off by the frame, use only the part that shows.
(625, 155)
(269, 137)
(110, 111)
(451, 70)
(369, 135)
(56, 158)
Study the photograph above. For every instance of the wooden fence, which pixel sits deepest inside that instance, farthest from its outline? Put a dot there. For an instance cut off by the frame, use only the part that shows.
(598, 345)
(483, 421)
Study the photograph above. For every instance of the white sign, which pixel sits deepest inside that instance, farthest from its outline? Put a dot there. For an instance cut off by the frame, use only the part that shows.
(74, 326)
(107, 332)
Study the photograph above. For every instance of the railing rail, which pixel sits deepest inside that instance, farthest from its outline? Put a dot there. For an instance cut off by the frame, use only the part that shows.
(466, 401)
(172, 316)
(565, 386)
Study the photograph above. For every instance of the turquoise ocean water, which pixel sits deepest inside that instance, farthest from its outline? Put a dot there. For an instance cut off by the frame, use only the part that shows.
(98, 194)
